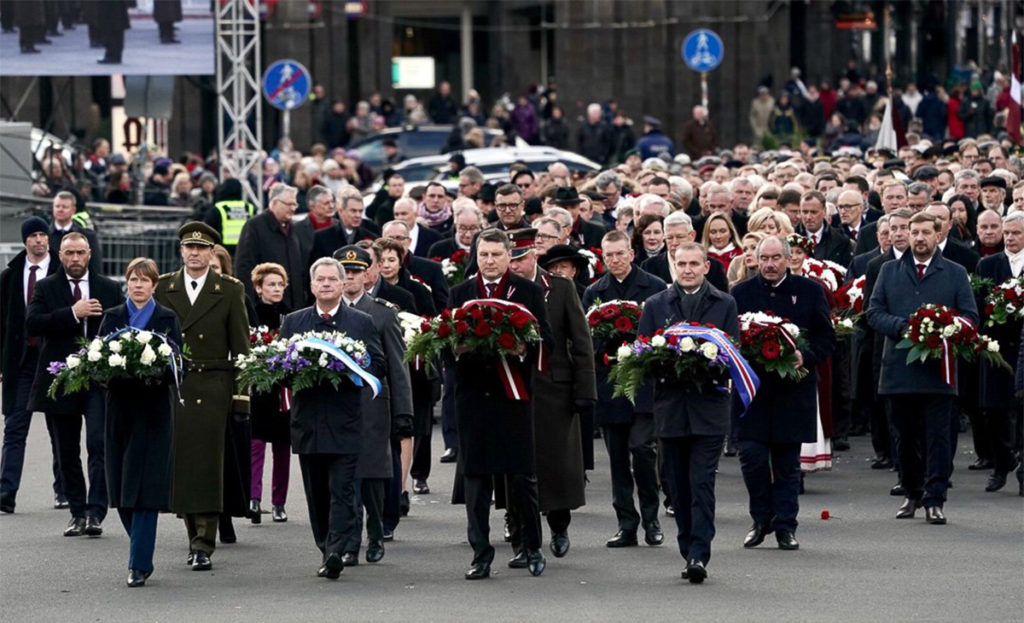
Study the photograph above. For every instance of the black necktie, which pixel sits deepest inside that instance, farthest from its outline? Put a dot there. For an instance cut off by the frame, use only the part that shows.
(490, 288)
(195, 284)
(31, 284)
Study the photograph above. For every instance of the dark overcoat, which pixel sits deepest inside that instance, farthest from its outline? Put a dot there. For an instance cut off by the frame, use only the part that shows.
(166, 10)
(785, 411)
(997, 383)
(269, 420)
(140, 426)
(262, 240)
(12, 320)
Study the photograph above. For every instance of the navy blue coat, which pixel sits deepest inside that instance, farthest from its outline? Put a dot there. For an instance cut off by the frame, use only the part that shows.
(784, 411)
(895, 297)
(996, 383)
(325, 420)
(654, 143)
(644, 285)
(681, 412)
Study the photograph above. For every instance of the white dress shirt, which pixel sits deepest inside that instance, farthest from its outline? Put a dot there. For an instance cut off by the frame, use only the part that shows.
(331, 312)
(414, 235)
(193, 293)
(43, 267)
(83, 287)
(1016, 262)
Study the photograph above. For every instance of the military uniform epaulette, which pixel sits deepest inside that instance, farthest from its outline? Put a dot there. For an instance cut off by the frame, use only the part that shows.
(387, 304)
(166, 276)
(230, 278)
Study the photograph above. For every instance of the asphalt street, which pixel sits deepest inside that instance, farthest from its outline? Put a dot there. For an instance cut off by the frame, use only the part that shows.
(860, 565)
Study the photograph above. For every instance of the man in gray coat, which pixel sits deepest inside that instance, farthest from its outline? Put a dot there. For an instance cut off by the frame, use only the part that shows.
(921, 401)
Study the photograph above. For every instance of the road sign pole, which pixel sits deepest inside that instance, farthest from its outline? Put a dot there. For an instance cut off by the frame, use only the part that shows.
(286, 124)
(704, 89)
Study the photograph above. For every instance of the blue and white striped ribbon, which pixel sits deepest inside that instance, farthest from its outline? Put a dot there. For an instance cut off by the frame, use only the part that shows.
(356, 373)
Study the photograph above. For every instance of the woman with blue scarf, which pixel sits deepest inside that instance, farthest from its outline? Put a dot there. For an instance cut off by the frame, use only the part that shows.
(139, 425)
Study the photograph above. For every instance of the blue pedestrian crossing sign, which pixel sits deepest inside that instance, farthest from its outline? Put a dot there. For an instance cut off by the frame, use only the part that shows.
(286, 84)
(702, 50)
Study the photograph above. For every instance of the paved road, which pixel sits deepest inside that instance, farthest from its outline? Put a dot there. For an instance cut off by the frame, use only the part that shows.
(862, 565)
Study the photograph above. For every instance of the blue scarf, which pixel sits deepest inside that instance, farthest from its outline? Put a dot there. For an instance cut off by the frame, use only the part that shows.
(138, 318)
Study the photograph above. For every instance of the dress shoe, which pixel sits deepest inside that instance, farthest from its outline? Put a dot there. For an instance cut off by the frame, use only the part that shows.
(695, 572)
(166, 41)
(92, 527)
(881, 462)
(786, 540)
(730, 448)
(403, 504)
(841, 444)
(898, 490)
(536, 563)
(201, 562)
(29, 49)
(908, 509)
(450, 455)
(59, 501)
(6, 504)
(559, 544)
(349, 559)
(255, 513)
(479, 571)
(106, 60)
(279, 515)
(331, 568)
(622, 538)
(389, 535)
(508, 530)
(374, 551)
(980, 465)
(420, 487)
(653, 534)
(136, 578)
(756, 535)
(933, 515)
(76, 527)
(995, 482)
(518, 561)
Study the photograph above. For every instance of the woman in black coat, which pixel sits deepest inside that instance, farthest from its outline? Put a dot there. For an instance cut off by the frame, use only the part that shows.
(139, 429)
(269, 419)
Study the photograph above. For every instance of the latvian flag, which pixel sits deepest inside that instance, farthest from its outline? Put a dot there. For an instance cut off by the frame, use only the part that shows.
(1013, 118)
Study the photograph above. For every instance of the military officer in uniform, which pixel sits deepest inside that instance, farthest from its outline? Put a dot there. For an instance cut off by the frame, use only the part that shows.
(215, 330)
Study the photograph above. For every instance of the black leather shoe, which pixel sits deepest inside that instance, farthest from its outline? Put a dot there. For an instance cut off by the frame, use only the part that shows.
(109, 61)
(136, 578)
(92, 527)
(190, 559)
(279, 515)
(536, 563)
(450, 456)
(389, 535)
(898, 491)
(786, 540)
(420, 487)
(622, 539)
(934, 516)
(841, 444)
(29, 49)
(403, 504)
(508, 530)
(518, 561)
(59, 501)
(995, 482)
(980, 465)
(881, 462)
(479, 571)
(908, 509)
(730, 448)
(695, 572)
(76, 527)
(255, 512)
(331, 568)
(6, 504)
(349, 559)
(374, 551)
(653, 534)
(756, 535)
(560, 544)
(201, 562)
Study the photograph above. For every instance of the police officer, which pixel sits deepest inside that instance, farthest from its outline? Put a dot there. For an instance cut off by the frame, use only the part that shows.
(229, 214)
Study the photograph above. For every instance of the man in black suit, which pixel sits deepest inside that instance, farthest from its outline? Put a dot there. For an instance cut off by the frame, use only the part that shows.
(348, 230)
(62, 213)
(420, 238)
(496, 431)
(65, 307)
(427, 272)
(327, 422)
(783, 413)
(894, 197)
(19, 356)
(691, 425)
(678, 228)
(469, 221)
(952, 250)
(829, 244)
(585, 234)
(852, 216)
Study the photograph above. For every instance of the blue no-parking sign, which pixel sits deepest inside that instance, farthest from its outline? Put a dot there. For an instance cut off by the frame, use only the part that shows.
(286, 84)
(702, 50)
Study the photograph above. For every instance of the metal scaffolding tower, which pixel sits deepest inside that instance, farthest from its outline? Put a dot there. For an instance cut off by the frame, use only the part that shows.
(239, 116)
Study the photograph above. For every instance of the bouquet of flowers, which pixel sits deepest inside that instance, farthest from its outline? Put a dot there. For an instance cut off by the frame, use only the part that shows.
(412, 326)
(491, 327)
(614, 322)
(128, 354)
(595, 267)
(1005, 302)
(823, 271)
(771, 343)
(262, 335)
(306, 360)
(937, 332)
(454, 266)
(849, 306)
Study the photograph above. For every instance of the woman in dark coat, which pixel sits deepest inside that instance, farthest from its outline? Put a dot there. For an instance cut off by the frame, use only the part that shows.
(139, 429)
(269, 418)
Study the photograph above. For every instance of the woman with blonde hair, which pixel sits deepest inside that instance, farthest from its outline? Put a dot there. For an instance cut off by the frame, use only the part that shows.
(720, 239)
(744, 266)
(770, 222)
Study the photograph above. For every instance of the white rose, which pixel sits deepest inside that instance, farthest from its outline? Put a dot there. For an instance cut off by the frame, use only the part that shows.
(94, 355)
(115, 361)
(126, 336)
(623, 352)
(322, 361)
(658, 341)
(115, 347)
(73, 361)
(846, 323)
(709, 350)
(792, 329)
(687, 345)
(144, 337)
(164, 349)
(949, 331)
(992, 346)
(148, 356)
(96, 345)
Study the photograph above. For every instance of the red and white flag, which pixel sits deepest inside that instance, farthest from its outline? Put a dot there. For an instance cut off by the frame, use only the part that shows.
(1014, 117)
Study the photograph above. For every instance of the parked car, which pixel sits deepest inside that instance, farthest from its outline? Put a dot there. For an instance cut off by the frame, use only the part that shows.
(413, 141)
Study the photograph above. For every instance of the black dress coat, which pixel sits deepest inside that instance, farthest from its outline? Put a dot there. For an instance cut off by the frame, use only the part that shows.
(426, 238)
(680, 411)
(835, 246)
(262, 240)
(443, 248)
(431, 274)
(394, 295)
(961, 254)
(495, 433)
(997, 383)
(785, 411)
(329, 239)
(13, 337)
(270, 422)
(139, 432)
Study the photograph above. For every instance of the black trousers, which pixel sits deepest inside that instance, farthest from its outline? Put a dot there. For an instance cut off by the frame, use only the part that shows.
(423, 418)
(771, 472)
(67, 429)
(16, 427)
(113, 40)
(558, 522)
(7, 15)
(522, 494)
(449, 428)
(393, 488)
(166, 30)
(633, 459)
(369, 498)
(329, 481)
(923, 422)
(690, 464)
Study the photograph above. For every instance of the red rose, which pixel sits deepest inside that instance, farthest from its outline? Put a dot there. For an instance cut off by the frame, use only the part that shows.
(623, 324)
(497, 316)
(476, 313)
(446, 314)
(932, 341)
(444, 330)
(461, 327)
(593, 320)
(482, 329)
(519, 320)
(424, 327)
(659, 331)
(606, 361)
(460, 313)
(437, 258)
(770, 350)
(459, 256)
(507, 341)
(989, 309)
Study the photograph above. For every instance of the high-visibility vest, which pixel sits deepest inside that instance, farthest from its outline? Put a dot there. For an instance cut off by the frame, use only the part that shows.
(233, 215)
(83, 219)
